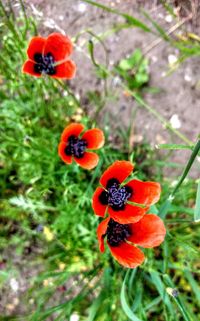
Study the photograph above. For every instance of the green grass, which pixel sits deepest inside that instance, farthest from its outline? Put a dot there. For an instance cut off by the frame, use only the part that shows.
(46, 205)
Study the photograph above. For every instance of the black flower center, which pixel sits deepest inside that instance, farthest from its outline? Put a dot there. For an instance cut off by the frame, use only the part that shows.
(115, 196)
(44, 64)
(117, 233)
(75, 147)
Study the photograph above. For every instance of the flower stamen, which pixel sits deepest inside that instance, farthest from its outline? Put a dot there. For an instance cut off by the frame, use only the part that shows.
(75, 147)
(117, 233)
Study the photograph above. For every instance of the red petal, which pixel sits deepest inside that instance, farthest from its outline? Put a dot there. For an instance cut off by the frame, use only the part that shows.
(147, 193)
(66, 70)
(94, 137)
(36, 45)
(59, 46)
(28, 68)
(72, 130)
(88, 161)
(119, 170)
(148, 232)
(61, 152)
(101, 231)
(98, 208)
(130, 214)
(127, 255)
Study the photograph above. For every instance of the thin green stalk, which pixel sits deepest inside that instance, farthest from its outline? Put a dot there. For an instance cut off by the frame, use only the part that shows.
(197, 205)
(176, 296)
(25, 18)
(187, 168)
(165, 207)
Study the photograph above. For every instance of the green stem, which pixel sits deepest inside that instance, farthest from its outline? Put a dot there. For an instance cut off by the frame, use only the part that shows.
(187, 168)
(165, 207)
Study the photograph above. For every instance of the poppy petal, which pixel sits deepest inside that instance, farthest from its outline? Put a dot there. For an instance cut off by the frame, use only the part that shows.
(101, 231)
(147, 193)
(88, 161)
(148, 232)
(36, 45)
(65, 70)
(130, 214)
(98, 207)
(59, 46)
(127, 255)
(61, 152)
(72, 130)
(28, 68)
(119, 170)
(94, 137)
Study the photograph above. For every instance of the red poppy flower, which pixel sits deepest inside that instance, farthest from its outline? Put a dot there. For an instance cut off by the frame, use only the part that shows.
(72, 146)
(121, 238)
(49, 56)
(116, 198)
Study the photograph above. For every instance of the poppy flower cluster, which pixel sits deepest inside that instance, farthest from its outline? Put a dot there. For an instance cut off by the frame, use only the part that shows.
(127, 225)
(50, 56)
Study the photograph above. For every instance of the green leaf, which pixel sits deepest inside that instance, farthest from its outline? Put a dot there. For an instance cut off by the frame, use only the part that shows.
(153, 209)
(197, 206)
(165, 208)
(93, 310)
(160, 30)
(194, 285)
(91, 52)
(124, 302)
(174, 146)
(158, 283)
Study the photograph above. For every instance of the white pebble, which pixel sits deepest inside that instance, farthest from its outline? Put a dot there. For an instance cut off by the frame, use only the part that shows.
(175, 121)
(14, 285)
(168, 18)
(82, 7)
(74, 317)
(172, 59)
(187, 78)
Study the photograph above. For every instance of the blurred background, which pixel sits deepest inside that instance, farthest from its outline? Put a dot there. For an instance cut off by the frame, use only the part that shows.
(138, 80)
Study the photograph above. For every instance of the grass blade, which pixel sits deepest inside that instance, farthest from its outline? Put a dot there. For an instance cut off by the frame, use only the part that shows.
(194, 285)
(159, 29)
(197, 206)
(171, 290)
(173, 146)
(124, 303)
(165, 207)
(158, 283)
(188, 167)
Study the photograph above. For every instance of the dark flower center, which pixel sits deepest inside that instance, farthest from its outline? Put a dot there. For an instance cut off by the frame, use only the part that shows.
(75, 147)
(44, 64)
(115, 196)
(117, 233)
